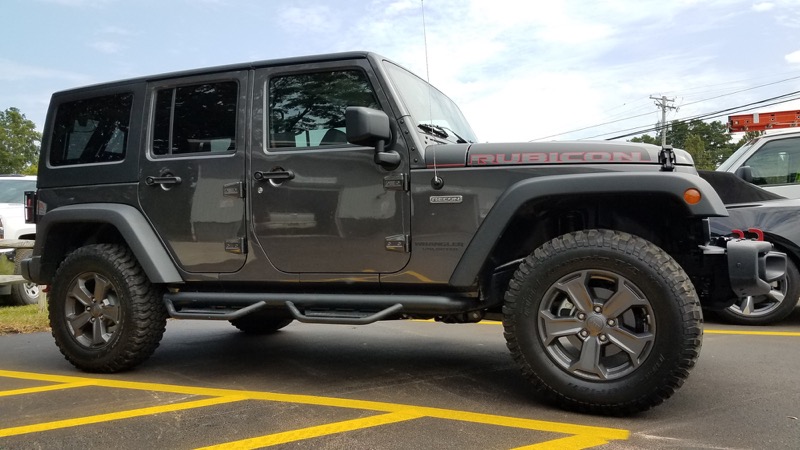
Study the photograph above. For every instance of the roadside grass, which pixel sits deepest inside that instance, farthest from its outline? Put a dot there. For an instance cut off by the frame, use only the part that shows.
(23, 319)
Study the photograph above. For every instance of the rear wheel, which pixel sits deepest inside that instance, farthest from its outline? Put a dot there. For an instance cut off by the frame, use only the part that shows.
(104, 313)
(769, 308)
(603, 322)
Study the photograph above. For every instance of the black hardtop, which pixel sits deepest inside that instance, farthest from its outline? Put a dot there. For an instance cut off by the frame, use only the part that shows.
(296, 60)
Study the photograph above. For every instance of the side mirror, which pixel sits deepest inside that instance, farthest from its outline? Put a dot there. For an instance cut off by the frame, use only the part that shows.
(366, 126)
(370, 127)
(745, 173)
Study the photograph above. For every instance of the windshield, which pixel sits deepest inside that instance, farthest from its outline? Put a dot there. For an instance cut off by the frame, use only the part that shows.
(728, 163)
(429, 106)
(13, 191)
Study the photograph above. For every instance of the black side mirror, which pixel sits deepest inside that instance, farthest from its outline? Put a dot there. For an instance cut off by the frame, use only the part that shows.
(370, 127)
(745, 173)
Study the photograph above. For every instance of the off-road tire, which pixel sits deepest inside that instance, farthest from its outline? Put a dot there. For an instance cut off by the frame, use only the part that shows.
(769, 308)
(24, 293)
(105, 315)
(258, 324)
(663, 322)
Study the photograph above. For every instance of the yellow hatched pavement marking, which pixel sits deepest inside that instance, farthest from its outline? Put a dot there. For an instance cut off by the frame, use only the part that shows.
(584, 436)
(58, 424)
(754, 333)
(48, 388)
(313, 432)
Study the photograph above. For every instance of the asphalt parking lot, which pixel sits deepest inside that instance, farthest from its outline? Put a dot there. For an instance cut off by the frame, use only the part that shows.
(391, 385)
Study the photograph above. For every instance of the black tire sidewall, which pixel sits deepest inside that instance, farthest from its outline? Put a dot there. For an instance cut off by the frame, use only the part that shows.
(19, 295)
(670, 325)
(91, 259)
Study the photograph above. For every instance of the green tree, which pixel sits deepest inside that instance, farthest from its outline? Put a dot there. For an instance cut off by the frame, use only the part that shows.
(19, 143)
(696, 147)
(647, 139)
(748, 136)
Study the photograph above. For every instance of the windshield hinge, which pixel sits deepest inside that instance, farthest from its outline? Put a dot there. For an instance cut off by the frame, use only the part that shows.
(398, 243)
(667, 159)
(396, 182)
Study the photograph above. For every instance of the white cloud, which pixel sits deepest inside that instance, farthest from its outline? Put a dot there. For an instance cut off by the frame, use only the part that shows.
(763, 6)
(106, 47)
(793, 58)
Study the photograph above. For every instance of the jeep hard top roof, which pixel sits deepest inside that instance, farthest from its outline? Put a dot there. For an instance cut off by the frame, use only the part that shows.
(237, 66)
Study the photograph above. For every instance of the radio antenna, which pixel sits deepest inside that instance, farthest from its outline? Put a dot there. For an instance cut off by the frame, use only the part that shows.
(436, 183)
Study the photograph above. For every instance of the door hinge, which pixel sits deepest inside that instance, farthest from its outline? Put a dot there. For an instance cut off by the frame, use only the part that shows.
(396, 182)
(398, 243)
(233, 189)
(666, 157)
(236, 246)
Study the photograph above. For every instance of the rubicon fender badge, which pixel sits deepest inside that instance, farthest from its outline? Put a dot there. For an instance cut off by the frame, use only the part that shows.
(446, 199)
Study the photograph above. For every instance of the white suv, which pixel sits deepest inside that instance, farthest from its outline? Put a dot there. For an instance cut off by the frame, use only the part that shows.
(13, 226)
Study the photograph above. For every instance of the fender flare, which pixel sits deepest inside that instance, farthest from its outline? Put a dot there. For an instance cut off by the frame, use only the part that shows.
(673, 184)
(130, 223)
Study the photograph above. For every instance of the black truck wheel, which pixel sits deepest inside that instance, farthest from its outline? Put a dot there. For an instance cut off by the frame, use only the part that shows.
(255, 323)
(603, 322)
(104, 313)
(769, 308)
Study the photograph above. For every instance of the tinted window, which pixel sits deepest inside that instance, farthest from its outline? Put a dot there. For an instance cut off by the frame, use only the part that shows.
(307, 110)
(196, 119)
(93, 130)
(777, 162)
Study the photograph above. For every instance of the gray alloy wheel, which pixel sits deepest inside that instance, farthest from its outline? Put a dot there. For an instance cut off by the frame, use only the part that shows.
(602, 321)
(596, 324)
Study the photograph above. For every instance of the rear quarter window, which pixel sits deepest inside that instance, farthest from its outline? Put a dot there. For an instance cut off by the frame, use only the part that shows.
(91, 131)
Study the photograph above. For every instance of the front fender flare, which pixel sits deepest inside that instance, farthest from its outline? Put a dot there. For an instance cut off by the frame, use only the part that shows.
(672, 184)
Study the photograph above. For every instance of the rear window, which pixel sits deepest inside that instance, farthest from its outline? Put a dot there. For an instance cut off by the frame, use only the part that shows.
(92, 130)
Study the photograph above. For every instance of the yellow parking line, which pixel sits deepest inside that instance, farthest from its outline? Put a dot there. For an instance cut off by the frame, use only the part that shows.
(587, 436)
(48, 388)
(567, 443)
(313, 432)
(58, 424)
(755, 333)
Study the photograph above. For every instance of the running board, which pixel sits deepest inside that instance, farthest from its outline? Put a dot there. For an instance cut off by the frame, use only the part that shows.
(342, 318)
(315, 307)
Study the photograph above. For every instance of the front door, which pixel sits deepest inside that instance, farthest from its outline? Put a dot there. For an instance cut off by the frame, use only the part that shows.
(324, 206)
(191, 179)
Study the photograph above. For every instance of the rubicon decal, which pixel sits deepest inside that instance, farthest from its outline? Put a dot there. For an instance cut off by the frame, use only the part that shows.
(446, 199)
(487, 159)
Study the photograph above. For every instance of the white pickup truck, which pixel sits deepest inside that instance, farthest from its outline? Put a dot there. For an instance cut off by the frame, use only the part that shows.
(13, 227)
(771, 161)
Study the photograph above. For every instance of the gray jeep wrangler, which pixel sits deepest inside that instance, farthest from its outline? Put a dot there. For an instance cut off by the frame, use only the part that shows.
(344, 189)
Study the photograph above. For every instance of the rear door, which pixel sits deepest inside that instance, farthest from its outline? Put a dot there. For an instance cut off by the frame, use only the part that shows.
(190, 179)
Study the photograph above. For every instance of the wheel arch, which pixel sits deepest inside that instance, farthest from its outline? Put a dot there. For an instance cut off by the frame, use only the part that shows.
(69, 227)
(536, 210)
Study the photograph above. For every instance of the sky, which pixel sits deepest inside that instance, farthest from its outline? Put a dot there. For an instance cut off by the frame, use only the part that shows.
(520, 70)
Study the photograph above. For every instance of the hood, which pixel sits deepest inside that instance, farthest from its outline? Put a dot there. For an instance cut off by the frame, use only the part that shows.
(547, 153)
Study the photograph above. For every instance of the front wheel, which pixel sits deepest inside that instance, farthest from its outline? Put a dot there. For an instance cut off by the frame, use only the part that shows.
(603, 322)
(104, 313)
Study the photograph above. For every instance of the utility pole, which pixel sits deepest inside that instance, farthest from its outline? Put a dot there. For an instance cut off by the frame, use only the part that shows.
(661, 102)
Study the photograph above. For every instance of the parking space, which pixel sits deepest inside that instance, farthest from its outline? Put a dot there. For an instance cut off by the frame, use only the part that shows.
(389, 385)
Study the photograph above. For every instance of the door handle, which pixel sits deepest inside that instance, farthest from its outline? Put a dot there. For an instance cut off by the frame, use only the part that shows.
(150, 181)
(274, 175)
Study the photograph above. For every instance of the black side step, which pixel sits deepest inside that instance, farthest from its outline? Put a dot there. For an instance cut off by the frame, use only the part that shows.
(352, 309)
(333, 317)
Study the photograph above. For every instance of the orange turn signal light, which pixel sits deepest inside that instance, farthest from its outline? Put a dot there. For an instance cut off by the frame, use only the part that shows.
(692, 196)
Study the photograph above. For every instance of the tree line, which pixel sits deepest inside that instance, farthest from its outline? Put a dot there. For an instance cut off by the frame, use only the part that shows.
(709, 143)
